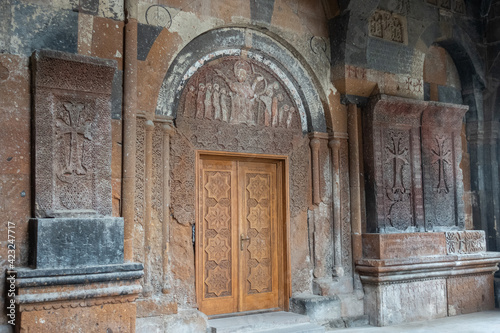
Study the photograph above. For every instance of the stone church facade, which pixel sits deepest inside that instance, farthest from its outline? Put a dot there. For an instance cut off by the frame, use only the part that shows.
(163, 163)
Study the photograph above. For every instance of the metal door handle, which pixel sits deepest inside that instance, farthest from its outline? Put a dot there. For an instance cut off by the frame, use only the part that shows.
(242, 238)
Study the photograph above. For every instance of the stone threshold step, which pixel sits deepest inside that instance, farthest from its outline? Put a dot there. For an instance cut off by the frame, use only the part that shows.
(264, 322)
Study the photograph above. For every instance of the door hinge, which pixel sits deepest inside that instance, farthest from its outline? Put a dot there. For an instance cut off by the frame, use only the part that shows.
(193, 233)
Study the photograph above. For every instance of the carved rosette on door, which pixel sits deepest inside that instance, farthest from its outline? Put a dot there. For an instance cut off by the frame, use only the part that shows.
(237, 226)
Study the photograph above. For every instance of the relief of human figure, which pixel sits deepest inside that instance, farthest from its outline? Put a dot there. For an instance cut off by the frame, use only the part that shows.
(216, 102)
(190, 102)
(224, 95)
(274, 110)
(283, 115)
(267, 98)
(200, 101)
(244, 94)
(290, 117)
(209, 108)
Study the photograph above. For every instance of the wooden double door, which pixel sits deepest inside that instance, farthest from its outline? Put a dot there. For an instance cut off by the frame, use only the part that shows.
(239, 234)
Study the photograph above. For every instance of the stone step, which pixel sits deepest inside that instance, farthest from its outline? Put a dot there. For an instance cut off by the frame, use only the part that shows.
(264, 322)
(299, 328)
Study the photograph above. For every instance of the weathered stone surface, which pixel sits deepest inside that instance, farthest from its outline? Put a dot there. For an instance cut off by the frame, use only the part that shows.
(76, 242)
(468, 294)
(441, 158)
(320, 309)
(72, 135)
(404, 245)
(186, 321)
(107, 317)
(390, 304)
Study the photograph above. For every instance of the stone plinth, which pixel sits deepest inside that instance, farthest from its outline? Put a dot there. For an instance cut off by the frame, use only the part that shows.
(450, 274)
(91, 299)
(76, 242)
(71, 134)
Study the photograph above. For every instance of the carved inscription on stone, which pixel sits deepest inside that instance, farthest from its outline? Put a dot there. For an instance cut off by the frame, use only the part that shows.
(465, 242)
(468, 294)
(387, 26)
(239, 91)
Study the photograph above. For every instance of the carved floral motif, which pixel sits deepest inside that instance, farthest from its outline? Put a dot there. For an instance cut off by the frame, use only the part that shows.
(258, 218)
(218, 217)
(217, 281)
(217, 186)
(259, 278)
(258, 188)
(218, 249)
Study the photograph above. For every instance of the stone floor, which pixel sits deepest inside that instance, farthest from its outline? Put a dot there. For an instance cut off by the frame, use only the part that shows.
(480, 322)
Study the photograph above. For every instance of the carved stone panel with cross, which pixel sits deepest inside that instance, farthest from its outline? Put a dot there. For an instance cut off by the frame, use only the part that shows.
(72, 135)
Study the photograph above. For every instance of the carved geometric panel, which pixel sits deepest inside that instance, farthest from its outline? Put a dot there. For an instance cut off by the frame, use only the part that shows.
(465, 242)
(218, 217)
(259, 278)
(218, 281)
(217, 187)
(258, 218)
(216, 204)
(257, 258)
(258, 188)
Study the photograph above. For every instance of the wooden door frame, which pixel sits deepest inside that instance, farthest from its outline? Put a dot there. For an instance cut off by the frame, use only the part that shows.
(284, 261)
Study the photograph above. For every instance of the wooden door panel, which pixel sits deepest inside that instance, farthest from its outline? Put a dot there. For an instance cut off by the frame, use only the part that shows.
(217, 218)
(258, 242)
(237, 236)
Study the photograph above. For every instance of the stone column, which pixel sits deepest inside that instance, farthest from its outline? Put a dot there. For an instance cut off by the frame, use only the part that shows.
(315, 144)
(356, 181)
(168, 131)
(148, 168)
(129, 134)
(334, 145)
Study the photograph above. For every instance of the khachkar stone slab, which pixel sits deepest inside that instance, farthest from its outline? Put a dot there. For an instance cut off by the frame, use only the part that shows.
(72, 134)
(76, 242)
(393, 181)
(441, 158)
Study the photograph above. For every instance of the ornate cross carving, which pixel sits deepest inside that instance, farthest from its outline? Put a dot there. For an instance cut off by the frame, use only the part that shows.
(396, 155)
(441, 156)
(74, 124)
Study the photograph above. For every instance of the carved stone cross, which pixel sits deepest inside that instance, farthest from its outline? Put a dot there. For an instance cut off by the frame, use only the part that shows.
(441, 156)
(396, 155)
(78, 128)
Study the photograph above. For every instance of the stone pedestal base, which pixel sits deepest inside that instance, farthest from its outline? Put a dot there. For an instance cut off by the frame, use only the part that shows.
(400, 287)
(91, 299)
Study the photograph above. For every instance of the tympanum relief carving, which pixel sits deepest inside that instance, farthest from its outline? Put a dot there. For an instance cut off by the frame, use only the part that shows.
(239, 91)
